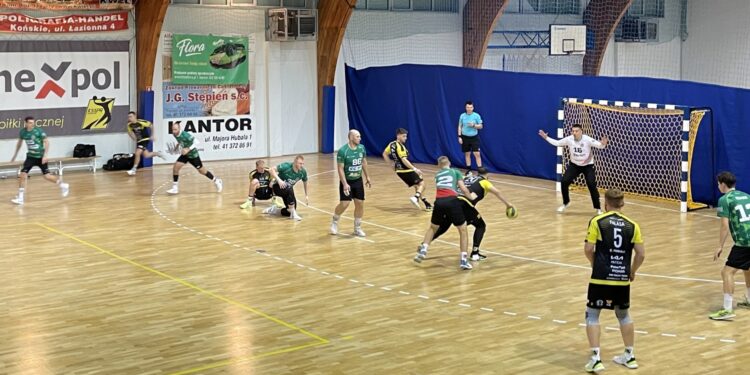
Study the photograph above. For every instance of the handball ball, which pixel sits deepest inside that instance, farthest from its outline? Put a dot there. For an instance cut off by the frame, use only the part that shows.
(511, 212)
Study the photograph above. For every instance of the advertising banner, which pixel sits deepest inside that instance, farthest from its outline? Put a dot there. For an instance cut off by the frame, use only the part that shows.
(225, 137)
(69, 87)
(21, 23)
(209, 60)
(67, 4)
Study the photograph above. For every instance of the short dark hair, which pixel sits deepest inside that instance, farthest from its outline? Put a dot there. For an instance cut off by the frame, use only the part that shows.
(28, 118)
(727, 178)
(469, 102)
(400, 131)
(132, 113)
(577, 126)
(482, 171)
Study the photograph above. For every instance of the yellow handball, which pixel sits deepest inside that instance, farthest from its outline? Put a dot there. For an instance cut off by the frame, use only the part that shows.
(511, 212)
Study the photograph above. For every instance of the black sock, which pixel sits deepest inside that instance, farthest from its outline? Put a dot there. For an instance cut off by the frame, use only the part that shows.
(210, 175)
(175, 177)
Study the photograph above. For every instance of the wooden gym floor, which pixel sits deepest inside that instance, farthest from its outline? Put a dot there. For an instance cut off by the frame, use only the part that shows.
(119, 278)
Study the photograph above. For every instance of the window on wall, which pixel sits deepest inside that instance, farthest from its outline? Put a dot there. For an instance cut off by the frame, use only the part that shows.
(401, 4)
(418, 5)
(553, 6)
(421, 4)
(268, 3)
(646, 8)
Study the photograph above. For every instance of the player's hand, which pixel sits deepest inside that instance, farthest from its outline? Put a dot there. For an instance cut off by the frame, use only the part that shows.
(44, 160)
(184, 151)
(460, 140)
(473, 196)
(632, 275)
(347, 189)
(418, 171)
(544, 135)
(307, 201)
(282, 184)
(604, 140)
(717, 254)
(368, 184)
(509, 205)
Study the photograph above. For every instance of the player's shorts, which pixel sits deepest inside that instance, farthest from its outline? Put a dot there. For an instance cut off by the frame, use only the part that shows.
(142, 144)
(263, 194)
(410, 178)
(32, 162)
(470, 212)
(196, 161)
(286, 194)
(356, 190)
(469, 144)
(608, 296)
(448, 210)
(739, 258)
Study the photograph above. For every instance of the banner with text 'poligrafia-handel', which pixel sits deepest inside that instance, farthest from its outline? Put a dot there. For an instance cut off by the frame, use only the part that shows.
(69, 87)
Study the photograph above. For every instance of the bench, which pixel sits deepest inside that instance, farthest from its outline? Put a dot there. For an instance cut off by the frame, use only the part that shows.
(57, 164)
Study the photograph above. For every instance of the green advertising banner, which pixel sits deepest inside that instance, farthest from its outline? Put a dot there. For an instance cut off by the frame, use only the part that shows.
(209, 60)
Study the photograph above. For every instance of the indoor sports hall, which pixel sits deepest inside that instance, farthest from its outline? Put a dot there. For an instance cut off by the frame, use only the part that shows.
(176, 179)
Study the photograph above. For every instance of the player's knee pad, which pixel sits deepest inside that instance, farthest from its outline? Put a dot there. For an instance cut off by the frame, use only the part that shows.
(623, 315)
(592, 316)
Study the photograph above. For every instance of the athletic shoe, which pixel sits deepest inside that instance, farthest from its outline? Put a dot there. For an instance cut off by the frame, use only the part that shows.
(476, 256)
(421, 254)
(295, 216)
(465, 265)
(415, 202)
(594, 365)
(17, 201)
(247, 204)
(722, 314)
(359, 232)
(744, 304)
(131, 172)
(626, 360)
(562, 208)
(272, 210)
(174, 190)
(427, 205)
(334, 228)
(64, 189)
(598, 211)
(219, 185)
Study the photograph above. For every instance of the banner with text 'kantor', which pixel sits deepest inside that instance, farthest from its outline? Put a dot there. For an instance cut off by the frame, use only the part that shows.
(69, 87)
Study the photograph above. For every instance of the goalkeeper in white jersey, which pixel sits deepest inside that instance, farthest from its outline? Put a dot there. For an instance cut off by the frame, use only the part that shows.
(581, 161)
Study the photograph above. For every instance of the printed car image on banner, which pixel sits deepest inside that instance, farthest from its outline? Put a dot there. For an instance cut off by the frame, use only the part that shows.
(69, 87)
(209, 60)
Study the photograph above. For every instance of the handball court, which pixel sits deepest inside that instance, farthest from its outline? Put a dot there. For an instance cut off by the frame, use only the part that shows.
(119, 278)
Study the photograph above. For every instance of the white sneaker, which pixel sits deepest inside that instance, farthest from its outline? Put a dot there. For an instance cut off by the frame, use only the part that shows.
(562, 208)
(271, 210)
(598, 211)
(334, 228)
(17, 201)
(415, 202)
(295, 216)
(465, 265)
(131, 172)
(219, 185)
(359, 232)
(626, 360)
(64, 189)
(174, 190)
(421, 254)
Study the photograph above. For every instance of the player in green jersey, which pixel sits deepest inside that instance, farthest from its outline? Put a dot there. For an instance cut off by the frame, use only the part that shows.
(286, 175)
(351, 166)
(734, 211)
(37, 147)
(189, 154)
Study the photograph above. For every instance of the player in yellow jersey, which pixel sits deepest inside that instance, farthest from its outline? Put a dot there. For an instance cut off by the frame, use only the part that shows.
(397, 153)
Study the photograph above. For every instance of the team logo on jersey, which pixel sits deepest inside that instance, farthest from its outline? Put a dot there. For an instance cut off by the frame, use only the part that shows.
(599, 303)
(609, 302)
(98, 113)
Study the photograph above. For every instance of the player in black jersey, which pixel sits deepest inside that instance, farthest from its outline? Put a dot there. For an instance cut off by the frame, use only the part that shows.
(481, 186)
(140, 132)
(397, 153)
(610, 243)
(260, 185)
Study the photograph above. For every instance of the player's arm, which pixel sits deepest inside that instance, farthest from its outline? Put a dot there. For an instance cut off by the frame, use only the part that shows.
(193, 146)
(130, 131)
(386, 155)
(551, 140)
(640, 256)
(275, 174)
(460, 141)
(307, 199)
(465, 190)
(723, 235)
(342, 178)
(366, 173)
(151, 132)
(496, 193)
(600, 144)
(18, 147)
(588, 249)
(46, 150)
(479, 124)
(409, 165)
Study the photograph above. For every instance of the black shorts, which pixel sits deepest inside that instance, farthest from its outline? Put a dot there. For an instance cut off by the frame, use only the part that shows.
(286, 194)
(470, 212)
(196, 161)
(263, 193)
(356, 190)
(448, 210)
(410, 178)
(469, 144)
(32, 162)
(739, 258)
(143, 144)
(608, 296)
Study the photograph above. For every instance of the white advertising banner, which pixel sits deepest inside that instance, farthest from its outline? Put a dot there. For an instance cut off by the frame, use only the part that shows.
(219, 137)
